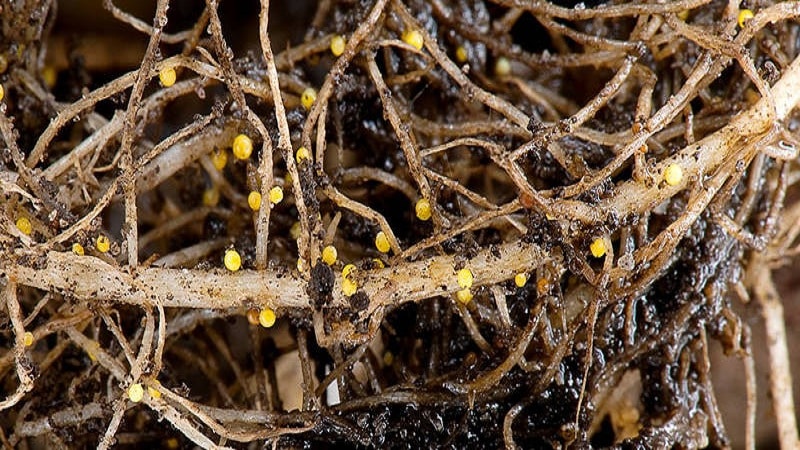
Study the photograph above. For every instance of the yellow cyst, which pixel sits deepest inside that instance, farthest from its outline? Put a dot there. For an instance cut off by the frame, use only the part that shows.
(329, 255)
(242, 146)
(337, 45)
(744, 16)
(378, 263)
(461, 54)
(413, 38)
(167, 77)
(49, 76)
(27, 339)
(295, 230)
(2, 92)
(465, 278)
(302, 155)
(24, 225)
(349, 287)
(347, 270)
(77, 249)
(254, 200)
(211, 197)
(301, 265)
(136, 392)
(423, 209)
(502, 67)
(464, 296)
(219, 158)
(598, 247)
(308, 97)
(382, 242)
(276, 195)
(103, 243)
(388, 358)
(673, 174)
(153, 391)
(266, 317)
(520, 279)
(233, 261)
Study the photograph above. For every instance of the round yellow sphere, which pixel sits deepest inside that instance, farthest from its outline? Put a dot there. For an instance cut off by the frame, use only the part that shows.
(242, 146)
(232, 260)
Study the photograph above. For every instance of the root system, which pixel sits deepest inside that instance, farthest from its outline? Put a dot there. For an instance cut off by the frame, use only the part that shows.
(617, 178)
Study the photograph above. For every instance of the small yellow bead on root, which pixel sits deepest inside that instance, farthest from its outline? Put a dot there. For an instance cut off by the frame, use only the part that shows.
(254, 200)
(232, 260)
(464, 296)
(167, 77)
(308, 97)
(329, 255)
(598, 247)
(465, 278)
(413, 37)
(136, 392)
(382, 242)
(103, 244)
(423, 209)
(242, 147)
(337, 45)
(267, 317)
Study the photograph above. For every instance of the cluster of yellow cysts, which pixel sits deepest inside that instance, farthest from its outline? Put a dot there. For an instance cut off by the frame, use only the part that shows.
(349, 286)
(167, 76)
(302, 155)
(329, 255)
(598, 247)
(413, 37)
(275, 195)
(308, 97)
(502, 67)
(266, 317)
(136, 392)
(103, 244)
(232, 260)
(24, 225)
(423, 209)
(242, 146)
(219, 158)
(254, 200)
(337, 45)
(744, 16)
(520, 279)
(27, 339)
(382, 242)
(673, 174)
